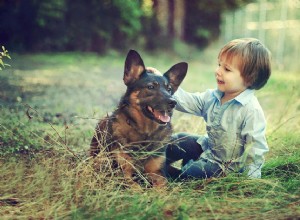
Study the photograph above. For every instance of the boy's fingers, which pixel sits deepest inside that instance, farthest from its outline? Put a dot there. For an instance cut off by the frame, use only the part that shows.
(153, 70)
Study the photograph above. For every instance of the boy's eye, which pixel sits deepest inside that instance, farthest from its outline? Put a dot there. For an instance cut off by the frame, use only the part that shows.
(150, 87)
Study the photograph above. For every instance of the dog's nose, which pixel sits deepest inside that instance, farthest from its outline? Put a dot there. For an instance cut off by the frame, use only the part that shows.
(172, 103)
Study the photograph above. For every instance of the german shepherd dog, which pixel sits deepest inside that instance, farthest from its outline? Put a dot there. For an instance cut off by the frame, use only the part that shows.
(138, 129)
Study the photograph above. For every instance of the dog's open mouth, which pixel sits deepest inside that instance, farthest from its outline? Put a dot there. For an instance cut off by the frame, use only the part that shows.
(161, 117)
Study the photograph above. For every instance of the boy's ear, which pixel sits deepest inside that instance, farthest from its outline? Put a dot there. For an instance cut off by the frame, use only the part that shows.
(176, 74)
(134, 67)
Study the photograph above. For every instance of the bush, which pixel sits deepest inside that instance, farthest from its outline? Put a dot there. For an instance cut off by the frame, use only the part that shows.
(3, 54)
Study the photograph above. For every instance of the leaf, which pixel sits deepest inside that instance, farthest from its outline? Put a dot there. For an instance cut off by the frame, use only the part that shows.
(1, 62)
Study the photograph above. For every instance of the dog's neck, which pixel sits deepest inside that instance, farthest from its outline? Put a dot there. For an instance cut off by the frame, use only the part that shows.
(140, 123)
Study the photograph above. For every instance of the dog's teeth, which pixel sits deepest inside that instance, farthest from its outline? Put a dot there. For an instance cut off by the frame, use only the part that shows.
(150, 109)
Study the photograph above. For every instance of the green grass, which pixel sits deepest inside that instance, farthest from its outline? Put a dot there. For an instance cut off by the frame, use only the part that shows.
(49, 105)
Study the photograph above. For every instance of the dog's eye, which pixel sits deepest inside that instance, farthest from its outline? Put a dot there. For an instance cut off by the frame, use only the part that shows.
(169, 89)
(150, 87)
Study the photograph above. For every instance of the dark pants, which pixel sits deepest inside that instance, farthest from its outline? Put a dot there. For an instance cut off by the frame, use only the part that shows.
(185, 147)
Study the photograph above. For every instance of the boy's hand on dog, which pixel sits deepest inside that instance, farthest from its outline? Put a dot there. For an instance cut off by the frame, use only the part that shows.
(153, 70)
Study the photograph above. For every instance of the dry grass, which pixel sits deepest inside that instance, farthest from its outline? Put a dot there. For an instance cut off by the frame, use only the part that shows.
(54, 184)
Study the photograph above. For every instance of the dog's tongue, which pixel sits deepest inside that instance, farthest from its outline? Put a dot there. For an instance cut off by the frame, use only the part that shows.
(164, 118)
(160, 116)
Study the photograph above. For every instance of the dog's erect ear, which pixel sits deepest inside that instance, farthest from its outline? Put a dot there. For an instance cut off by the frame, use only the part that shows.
(134, 67)
(176, 74)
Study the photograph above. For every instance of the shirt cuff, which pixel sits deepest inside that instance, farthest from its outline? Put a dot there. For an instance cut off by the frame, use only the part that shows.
(254, 171)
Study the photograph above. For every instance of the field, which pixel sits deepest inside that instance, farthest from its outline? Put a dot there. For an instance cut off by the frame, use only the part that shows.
(49, 105)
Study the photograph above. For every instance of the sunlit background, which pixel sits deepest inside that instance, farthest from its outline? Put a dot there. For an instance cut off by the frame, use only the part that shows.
(101, 25)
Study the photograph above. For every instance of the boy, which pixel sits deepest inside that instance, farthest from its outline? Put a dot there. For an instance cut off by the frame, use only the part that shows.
(235, 122)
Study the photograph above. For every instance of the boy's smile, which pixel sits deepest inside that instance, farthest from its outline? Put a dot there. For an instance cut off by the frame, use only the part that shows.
(220, 82)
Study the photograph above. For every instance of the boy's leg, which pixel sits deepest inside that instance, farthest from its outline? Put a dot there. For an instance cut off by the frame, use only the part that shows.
(183, 147)
(200, 169)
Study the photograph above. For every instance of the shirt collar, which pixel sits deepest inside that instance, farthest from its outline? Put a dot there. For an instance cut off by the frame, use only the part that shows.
(218, 94)
(245, 96)
(242, 98)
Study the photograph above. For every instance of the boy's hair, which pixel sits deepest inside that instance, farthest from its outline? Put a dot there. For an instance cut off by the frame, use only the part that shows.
(253, 58)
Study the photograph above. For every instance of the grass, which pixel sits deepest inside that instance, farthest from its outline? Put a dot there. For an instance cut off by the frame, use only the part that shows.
(49, 105)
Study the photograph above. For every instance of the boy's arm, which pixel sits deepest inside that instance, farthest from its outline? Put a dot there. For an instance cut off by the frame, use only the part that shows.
(192, 103)
(256, 145)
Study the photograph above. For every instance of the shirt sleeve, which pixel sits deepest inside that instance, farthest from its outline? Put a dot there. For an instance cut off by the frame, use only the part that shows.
(192, 103)
(256, 145)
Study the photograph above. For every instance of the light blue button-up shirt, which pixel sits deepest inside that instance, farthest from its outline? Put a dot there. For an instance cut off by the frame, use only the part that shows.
(235, 138)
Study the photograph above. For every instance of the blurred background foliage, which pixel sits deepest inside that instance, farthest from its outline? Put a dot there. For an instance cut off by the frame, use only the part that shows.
(97, 25)
(101, 25)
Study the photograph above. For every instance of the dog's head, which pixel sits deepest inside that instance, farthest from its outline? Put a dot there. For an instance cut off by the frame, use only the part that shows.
(152, 92)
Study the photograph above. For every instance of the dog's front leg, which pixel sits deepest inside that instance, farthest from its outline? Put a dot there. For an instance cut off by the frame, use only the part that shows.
(153, 169)
(126, 164)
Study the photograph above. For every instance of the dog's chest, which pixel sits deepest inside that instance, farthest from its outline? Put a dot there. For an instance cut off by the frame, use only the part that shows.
(135, 138)
(130, 135)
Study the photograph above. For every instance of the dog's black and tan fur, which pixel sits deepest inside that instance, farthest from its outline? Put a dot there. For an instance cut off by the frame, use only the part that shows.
(139, 128)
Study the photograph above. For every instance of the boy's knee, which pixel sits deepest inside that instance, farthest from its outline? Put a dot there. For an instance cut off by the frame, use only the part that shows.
(173, 153)
(201, 169)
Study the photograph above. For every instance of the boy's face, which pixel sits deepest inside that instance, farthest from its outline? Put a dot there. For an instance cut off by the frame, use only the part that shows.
(228, 76)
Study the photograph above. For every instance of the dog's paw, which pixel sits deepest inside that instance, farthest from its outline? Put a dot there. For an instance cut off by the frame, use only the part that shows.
(157, 180)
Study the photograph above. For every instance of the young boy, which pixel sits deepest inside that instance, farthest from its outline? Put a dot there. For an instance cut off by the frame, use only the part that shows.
(235, 122)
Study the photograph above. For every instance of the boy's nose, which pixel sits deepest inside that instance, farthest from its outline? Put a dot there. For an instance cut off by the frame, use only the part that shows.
(218, 71)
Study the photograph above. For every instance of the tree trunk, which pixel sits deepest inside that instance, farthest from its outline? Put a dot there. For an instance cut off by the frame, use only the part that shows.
(170, 16)
(179, 19)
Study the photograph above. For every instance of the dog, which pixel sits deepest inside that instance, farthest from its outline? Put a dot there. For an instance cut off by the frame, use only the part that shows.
(137, 131)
